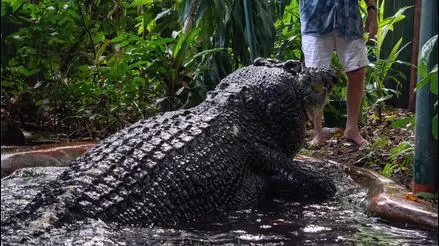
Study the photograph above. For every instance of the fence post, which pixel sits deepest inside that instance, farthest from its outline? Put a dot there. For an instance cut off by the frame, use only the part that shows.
(425, 163)
(415, 53)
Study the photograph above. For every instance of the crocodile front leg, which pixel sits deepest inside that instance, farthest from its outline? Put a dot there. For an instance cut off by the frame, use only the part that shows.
(290, 179)
(250, 192)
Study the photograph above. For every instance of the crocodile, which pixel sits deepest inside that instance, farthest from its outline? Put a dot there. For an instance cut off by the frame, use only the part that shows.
(229, 152)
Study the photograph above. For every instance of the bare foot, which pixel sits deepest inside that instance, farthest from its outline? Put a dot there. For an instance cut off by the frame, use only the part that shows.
(356, 138)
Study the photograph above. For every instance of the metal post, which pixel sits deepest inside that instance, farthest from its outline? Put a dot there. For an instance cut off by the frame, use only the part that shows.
(415, 53)
(425, 164)
(249, 30)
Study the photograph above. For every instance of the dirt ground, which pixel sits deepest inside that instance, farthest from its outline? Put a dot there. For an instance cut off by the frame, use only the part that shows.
(382, 138)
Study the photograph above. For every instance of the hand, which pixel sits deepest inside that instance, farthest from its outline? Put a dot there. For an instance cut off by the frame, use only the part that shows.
(371, 24)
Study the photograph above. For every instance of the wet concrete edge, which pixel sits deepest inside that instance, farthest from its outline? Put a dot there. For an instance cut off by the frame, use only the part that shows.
(13, 158)
(386, 198)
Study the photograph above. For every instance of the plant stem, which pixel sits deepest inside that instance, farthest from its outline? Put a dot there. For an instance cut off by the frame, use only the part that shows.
(86, 28)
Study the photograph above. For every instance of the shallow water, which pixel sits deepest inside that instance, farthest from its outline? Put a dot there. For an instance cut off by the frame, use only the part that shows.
(288, 224)
(338, 221)
(281, 223)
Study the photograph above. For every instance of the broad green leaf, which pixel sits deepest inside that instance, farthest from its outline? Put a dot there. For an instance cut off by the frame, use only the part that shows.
(422, 82)
(119, 38)
(381, 12)
(73, 14)
(434, 126)
(22, 70)
(180, 40)
(140, 27)
(393, 54)
(398, 51)
(402, 122)
(16, 4)
(425, 54)
(401, 149)
(138, 81)
(388, 21)
(141, 2)
(112, 62)
(137, 64)
(124, 43)
(205, 52)
(32, 72)
(4, 10)
(382, 32)
(122, 68)
(433, 79)
(101, 51)
(100, 37)
(180, 50)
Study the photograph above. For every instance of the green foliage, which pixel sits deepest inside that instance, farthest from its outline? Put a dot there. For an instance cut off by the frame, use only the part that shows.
(381, 69)
(287, 26)
(305, 152)
(339, 92)
(376, 150)
(379, 143)
(400, 159)
(182, 72)
(116, 84)
(427, 196)
(427, 78)
(50, 26)
(409, 122)
(223, 24)
(95, 66)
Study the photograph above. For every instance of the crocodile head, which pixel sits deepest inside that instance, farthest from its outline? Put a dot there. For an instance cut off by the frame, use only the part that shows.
(286, 95)
(313, 84)
(316, 86)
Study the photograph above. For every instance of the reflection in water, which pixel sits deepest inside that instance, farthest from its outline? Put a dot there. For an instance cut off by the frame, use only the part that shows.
(339, 221)
(283, 223)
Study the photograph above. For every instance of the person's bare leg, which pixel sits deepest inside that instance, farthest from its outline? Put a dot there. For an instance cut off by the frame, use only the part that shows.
(319, 136)
(354, 98)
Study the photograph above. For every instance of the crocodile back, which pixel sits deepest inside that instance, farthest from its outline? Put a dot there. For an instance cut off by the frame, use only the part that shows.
(179, 165)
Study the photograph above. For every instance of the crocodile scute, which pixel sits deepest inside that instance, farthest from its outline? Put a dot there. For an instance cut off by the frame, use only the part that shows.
(226, 153)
